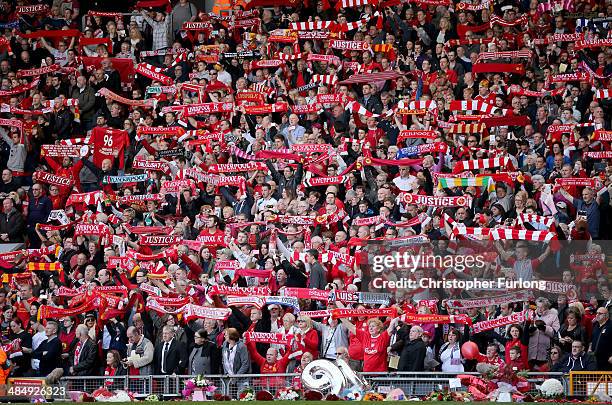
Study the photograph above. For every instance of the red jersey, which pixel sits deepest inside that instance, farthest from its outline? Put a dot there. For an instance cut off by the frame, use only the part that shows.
(106, 142)
(489, 99)
(355, 348)
(374, 350)
(71, 172)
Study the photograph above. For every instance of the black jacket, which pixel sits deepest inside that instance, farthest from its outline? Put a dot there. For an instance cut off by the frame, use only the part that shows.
(282, 182)
(62, 123)
(175, 359)
(586, 362)
(412, 352)
(13, 225)
(87, 363)
(49, 353)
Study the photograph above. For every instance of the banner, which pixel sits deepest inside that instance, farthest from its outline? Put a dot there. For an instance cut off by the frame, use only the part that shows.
(53, 179)
(131, 178)
(599, 155)
(368, 313)
(434, 318)
(160, 240)
(61, 151)
(516, 317)
(431, 201)
(486, 301)
(348, 45)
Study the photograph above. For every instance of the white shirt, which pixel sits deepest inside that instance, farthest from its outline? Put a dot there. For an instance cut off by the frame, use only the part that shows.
(37, 339)
(264, 203)
(409, 183)
(228, 360)
(165, 347)
(61, 58)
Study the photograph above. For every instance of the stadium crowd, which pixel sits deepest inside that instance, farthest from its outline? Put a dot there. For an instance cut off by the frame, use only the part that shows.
(195, 193)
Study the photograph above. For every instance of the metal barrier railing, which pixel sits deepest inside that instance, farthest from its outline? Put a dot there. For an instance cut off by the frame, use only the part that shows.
(413, 384)
(587, 383)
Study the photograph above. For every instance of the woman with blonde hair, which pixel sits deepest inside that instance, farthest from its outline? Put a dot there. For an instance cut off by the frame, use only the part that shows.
(307, 337)
(520, 204)
(375, 342)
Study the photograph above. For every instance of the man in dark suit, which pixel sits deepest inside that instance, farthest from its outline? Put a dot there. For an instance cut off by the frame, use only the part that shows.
(170, 357)
(50, 351)
(11, 223)
(318, 275)
(84, 357)
(370, 100)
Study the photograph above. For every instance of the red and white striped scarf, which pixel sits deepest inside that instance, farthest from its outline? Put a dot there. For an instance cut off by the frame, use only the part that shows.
(495, 19)
(602, 94)
(522, 234)
(546, 221)
(358, 24)
(505, 54)
(470, 232)
(351, 3)
(315, 25)
(355, 107)
(150, 103)
(479, 164)
(516, 89)
(474, 105)
(285, 56)
(67, 102)
(329, 80)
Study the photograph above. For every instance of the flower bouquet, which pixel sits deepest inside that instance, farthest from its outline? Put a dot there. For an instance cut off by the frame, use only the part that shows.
(440, 395)
(247, 395)
(552, 388)
(313, 396)
(221, 397)
(264, 395)
(351, 394)
(396, 394)
(373, 396)
(104, 395)
(287, 394)
(197, 383)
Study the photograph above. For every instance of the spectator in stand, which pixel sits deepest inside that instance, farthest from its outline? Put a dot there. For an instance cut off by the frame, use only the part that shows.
(49, 351)
(169, 356)
(84, 359)
(577, 360)
(601, 343)
(140, 352)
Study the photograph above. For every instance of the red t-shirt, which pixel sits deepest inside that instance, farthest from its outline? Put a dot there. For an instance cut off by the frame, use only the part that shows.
(106, 141)
(374, 350)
